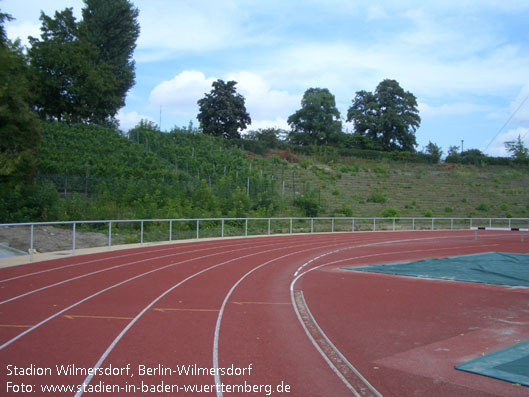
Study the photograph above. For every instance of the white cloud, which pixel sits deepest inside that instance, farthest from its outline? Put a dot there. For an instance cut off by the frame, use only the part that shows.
(197, 26)
(497, 147)
(181, 93)
(375, 12)
(450, 109)
(262, 102)
(520, 106)
(345, 68)
(22, 31)
(129, 120)
(279, 123)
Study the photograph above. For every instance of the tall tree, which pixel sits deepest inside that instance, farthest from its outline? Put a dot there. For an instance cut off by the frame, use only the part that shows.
(112, 27)
(433, 150)
(20, 127)
(222, 112)
(83, 70)
(3, 18)
(517, 149)
(318, 120)
(70, 82)
(389, 116)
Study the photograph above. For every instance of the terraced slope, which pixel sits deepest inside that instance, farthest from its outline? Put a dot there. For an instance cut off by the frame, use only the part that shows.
(366, 188)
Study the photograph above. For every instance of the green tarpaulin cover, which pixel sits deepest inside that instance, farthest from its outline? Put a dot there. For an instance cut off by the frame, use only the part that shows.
(491, 268)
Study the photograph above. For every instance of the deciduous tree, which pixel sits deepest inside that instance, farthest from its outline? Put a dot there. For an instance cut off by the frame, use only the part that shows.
(20, 127)
(389, 116)
(517, 149)
(112, 27)
(83, 70)
(222, 112)
(318, 120)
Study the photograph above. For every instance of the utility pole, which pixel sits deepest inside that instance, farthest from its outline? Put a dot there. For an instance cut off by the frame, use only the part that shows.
(462, 145)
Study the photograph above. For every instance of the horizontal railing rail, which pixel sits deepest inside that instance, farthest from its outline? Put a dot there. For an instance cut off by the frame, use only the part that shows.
(288, 225)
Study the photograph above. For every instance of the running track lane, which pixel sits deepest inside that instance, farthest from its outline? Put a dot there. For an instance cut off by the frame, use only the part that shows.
(172, 316)
(77, 339)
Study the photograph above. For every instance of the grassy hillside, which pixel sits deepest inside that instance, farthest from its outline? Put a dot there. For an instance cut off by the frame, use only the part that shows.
(99, 174)
(364, 188)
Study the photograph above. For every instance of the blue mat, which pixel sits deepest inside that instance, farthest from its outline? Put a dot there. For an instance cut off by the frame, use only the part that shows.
(511, 365)
(491, 268)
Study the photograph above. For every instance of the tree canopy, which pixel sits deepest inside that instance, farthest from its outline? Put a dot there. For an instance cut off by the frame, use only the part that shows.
(222, 112)
(318, 120)
(112, 27)
(517, 149)
(389, 116)
(20, 128)
(83, 70)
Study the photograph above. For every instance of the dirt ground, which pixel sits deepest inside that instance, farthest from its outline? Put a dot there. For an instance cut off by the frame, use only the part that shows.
(51, 239)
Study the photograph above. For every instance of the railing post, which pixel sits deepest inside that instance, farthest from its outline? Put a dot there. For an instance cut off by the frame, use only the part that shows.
(109, 234)
(73, 239)
(141, 233)
(452, 224)
(433, 227)
(290, 225)
(353, 226)
(413, 224)
(198, 228)
(312, 225)
(222, 227)
(490, 222)
(393, 224)
(31, 243)
(471, 223)
(269, 220)
(171, 230)
(332, 225)
(374, 224)
(246, 228)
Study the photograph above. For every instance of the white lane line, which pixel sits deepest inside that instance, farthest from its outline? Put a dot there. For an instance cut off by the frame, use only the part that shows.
(338, 363)
(221, 311)
(224, 303)
(111, 268)
(141, 313)
(116, 257)
(107, 289)
(124, 331)
(390, 242)
(329, 352)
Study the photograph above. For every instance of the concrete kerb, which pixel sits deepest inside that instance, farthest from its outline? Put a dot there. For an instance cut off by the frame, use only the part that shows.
(41, 257)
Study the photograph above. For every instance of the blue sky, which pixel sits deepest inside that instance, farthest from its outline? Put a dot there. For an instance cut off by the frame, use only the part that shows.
(466, 61)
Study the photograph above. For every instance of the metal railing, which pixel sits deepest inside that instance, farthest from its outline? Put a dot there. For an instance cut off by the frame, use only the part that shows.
(239, 227)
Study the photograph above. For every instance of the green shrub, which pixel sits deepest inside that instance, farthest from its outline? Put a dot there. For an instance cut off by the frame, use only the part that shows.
(377, 198)
(390, 212)
(428, 213)
(36, 202)
(346, 211)
(308, 204)
(482, 207)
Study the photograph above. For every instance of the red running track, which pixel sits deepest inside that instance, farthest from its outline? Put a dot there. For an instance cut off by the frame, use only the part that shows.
(258, 316)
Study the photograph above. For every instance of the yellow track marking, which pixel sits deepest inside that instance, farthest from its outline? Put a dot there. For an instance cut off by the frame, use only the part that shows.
(185, 310)
(261, 303)
(73, 316)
